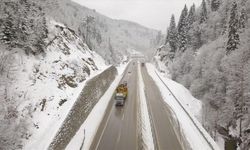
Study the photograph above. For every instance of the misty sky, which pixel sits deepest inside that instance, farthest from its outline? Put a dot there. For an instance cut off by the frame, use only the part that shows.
(150, 13)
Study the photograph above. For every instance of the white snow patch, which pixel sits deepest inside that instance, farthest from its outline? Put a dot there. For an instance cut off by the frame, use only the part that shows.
(221, 142)
(85, 135)
(144, 114)
(193, 131)
(40, 80)
(121, 67)
(191, 103)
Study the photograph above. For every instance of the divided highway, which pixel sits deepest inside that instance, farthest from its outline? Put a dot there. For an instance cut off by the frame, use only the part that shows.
(118, 129)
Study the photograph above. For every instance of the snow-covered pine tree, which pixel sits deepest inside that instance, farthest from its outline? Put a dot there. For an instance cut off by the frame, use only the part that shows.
(191, 16)
(233, 35)
(23, 25)
(89, 31)
(225, 11)
(215, 4)
(182, 30)
(242, 19)
(203, 13)
(172, 35)
(112, 53)
(8, 31)
(167, 36)
(8, 23)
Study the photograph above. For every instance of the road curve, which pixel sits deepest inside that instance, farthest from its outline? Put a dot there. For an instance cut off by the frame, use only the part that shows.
(118, 127)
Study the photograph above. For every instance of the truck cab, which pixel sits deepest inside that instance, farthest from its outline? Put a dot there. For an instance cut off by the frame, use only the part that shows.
(121, 94)
(119, 99)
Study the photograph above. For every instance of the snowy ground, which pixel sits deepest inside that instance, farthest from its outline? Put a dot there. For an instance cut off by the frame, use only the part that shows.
(83, 138)
(45, 87)
(146, 130)
(192, 130)
(192, 104)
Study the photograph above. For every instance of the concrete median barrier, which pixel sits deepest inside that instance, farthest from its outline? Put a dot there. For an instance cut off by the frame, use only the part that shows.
(91, 93)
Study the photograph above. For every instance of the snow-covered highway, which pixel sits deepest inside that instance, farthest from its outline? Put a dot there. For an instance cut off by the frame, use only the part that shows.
(119, 128)
(150, 119)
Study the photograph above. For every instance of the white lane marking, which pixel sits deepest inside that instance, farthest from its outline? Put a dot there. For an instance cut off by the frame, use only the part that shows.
(106, 124)
(104, 129)
(138, 103)
(119, 137)
(123, 115)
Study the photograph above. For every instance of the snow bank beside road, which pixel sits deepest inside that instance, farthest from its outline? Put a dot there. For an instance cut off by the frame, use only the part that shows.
(192, 104)
(145, 127)
(85, 135)
(192, 130)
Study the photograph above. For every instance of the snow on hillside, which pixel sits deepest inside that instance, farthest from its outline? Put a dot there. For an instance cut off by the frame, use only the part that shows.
(132, 51)
(162, 58)
(109, 37)
(38, 91)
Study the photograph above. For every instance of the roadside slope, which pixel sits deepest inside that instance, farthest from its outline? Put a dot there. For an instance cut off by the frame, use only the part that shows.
(192, 130)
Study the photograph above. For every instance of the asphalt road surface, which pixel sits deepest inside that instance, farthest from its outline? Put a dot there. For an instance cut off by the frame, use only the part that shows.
(163, 132)
(118, 128)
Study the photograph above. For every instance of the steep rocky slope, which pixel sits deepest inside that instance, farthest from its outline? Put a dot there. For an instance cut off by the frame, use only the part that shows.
(37, 91)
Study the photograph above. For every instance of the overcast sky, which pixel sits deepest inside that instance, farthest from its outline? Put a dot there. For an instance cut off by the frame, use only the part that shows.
(150, 13)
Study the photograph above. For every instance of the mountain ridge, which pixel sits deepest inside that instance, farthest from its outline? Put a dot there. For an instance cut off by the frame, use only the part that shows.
(107, 36)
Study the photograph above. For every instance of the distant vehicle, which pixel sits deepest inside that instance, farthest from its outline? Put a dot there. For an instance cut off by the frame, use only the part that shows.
(129, 71)
(142, 64)
(121, 94)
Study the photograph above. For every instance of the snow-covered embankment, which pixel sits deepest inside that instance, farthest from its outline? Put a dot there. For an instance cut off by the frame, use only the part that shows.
(181, 102)
(89, 97)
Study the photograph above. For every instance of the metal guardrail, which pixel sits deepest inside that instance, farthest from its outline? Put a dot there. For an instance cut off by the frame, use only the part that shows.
(191, 118)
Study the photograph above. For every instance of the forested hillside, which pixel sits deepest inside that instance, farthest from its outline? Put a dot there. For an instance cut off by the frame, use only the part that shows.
(208, 52)
(43, 65)
(109, 37)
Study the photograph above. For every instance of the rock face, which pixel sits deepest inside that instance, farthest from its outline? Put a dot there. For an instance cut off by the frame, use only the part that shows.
(89, 96)
(35, 88)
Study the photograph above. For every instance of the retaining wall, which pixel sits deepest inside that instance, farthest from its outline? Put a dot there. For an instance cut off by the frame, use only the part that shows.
(91, 93)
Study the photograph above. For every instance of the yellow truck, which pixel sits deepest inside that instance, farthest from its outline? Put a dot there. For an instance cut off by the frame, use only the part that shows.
(121, 94)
